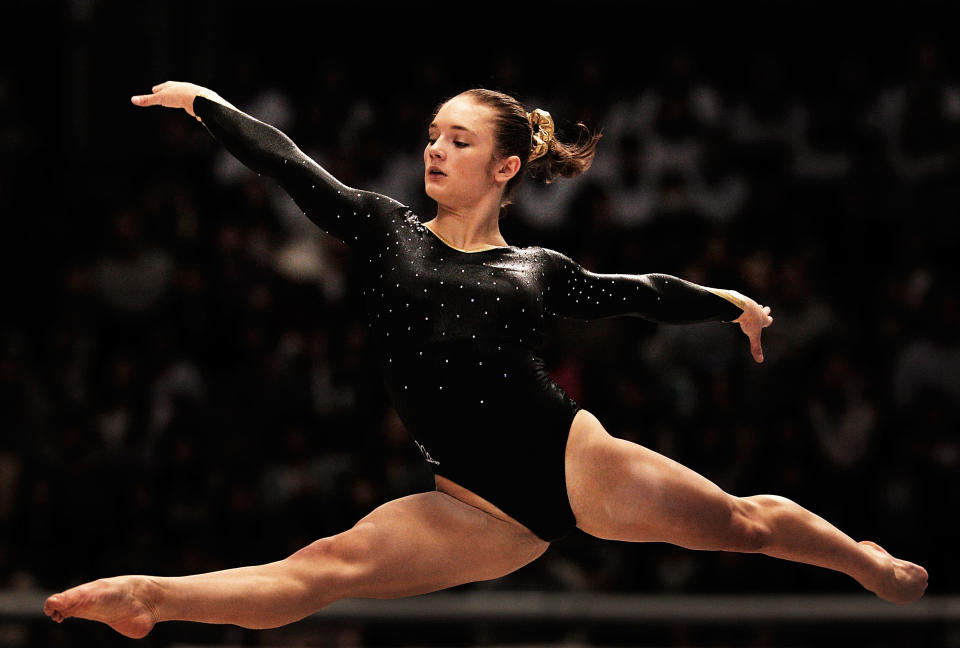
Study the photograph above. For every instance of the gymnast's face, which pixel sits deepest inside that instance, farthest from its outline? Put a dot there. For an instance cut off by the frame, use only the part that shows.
(459, 164)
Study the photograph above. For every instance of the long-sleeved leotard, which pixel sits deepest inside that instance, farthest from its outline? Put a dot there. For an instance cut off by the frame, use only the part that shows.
(460, 334)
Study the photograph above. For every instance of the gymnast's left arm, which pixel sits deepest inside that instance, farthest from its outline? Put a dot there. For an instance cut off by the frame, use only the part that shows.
(573, 291)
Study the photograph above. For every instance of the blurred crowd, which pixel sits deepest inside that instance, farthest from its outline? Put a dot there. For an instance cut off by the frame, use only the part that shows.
(187, 382)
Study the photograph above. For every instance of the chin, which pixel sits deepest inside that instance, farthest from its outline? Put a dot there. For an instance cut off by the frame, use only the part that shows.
(433, 191)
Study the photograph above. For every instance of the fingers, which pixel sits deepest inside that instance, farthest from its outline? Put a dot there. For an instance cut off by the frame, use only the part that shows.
(755, 347)
(752, 322)
(145, 100)
(755, 330)
(154, 99)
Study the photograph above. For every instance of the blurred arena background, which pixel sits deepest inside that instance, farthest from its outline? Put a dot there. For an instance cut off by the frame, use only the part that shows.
(185, 379)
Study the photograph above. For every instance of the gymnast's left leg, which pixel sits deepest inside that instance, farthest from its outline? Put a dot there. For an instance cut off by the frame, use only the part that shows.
(622, 491)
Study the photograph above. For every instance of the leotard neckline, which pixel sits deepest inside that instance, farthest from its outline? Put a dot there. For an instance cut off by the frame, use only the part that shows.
(453, 247)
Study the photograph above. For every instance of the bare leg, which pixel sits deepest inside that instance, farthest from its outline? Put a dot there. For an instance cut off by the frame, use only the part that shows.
(646, 497)
(413, 545)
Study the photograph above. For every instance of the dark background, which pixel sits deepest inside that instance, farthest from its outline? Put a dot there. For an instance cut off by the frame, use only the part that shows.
(185, 378)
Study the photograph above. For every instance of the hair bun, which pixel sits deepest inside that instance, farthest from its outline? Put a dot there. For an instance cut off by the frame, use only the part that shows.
(542, 124)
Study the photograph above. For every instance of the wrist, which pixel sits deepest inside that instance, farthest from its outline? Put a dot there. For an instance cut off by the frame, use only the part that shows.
(206, 94)
(732, 296)
(209, 95)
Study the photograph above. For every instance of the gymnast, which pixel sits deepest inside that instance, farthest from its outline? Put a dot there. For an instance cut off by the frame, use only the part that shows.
(458, 317)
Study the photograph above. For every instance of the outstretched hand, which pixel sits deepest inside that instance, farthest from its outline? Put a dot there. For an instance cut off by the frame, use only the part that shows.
(752, 321)
(175, 94)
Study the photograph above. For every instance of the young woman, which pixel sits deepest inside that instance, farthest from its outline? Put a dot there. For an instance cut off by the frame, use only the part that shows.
(458, 315)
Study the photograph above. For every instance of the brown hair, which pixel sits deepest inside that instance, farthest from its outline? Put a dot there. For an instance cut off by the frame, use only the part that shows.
(514, 136)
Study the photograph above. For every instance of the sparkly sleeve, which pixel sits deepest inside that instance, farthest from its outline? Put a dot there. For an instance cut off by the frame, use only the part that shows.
(573, 291)
(349, 214)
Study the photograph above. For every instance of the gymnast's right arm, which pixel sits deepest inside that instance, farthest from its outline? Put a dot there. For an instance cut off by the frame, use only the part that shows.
(336, 208)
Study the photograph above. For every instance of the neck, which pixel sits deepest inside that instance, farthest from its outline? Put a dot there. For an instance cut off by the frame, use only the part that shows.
(468, 229)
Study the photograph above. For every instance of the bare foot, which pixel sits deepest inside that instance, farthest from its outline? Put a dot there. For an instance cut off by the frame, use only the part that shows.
(905, 582)
(118, 602)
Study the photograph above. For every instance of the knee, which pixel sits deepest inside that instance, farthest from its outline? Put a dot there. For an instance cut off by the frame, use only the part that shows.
(344, 548)
(750, 529)
(332, 566)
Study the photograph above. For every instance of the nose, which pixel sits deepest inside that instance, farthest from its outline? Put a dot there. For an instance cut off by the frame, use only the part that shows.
(435, 150)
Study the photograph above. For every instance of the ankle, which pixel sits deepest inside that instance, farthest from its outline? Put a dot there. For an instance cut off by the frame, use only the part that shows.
(880, 572)
(148, 591)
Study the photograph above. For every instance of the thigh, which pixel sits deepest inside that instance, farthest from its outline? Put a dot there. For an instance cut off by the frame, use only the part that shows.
(423, 543)
(620, 490)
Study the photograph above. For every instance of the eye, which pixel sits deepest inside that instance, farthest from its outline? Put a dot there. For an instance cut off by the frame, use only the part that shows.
(461, 144)
(431, 140)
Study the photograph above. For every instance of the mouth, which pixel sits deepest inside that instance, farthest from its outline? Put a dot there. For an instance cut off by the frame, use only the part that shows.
(435, 172)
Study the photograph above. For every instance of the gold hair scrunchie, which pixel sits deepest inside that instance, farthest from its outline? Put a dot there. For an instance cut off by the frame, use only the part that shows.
(542, 124)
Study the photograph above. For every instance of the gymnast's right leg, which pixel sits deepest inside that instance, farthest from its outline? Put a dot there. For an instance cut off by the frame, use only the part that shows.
(412, 545)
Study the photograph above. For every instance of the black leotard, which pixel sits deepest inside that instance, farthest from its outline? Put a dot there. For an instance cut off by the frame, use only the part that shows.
(460, 333)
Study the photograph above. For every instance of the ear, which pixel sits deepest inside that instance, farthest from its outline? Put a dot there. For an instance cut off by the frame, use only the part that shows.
(506, 169)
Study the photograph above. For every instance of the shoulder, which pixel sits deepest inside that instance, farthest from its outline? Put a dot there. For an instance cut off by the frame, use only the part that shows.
(551, 258)
(364, 220)
(377, 211)
(550, 263)
(373, 200)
